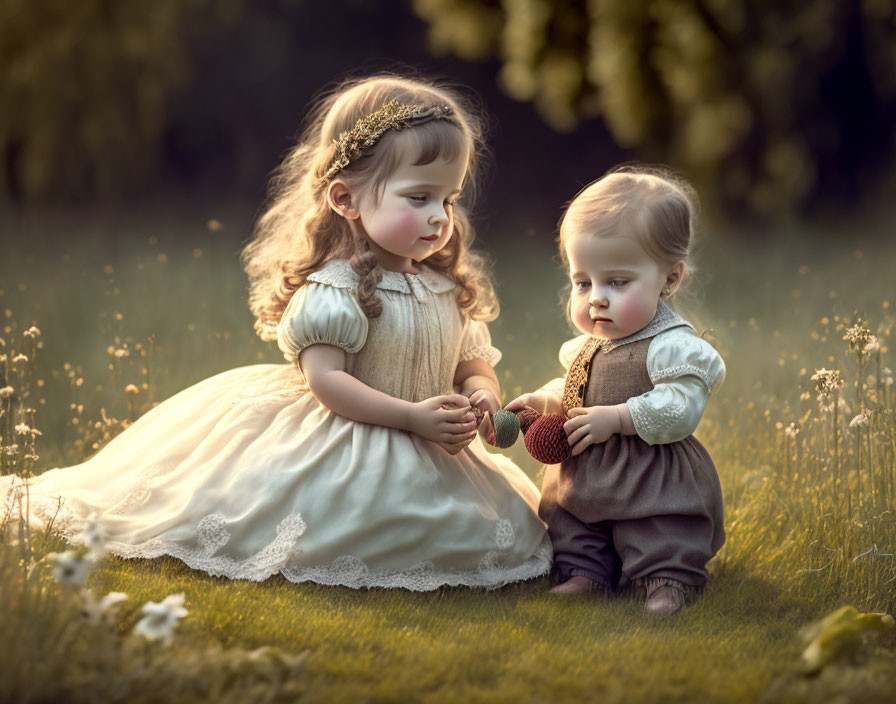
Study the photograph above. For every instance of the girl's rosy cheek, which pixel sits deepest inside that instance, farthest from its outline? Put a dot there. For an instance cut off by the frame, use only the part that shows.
(407, 224)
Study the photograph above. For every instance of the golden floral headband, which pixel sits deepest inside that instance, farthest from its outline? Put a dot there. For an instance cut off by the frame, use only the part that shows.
(368, 130)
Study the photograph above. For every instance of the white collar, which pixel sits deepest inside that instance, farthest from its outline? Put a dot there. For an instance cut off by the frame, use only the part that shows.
(339, 273)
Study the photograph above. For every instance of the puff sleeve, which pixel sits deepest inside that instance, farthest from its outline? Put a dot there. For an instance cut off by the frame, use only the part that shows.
(321, 314)
(569, 350)
(476, 343)
(684, 370)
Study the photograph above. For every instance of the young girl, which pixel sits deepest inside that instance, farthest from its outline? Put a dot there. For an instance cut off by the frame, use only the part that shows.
(358, 463)
(639, 500)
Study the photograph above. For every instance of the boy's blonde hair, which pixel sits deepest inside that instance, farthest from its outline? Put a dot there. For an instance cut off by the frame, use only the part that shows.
(298, 232)
(652, 204)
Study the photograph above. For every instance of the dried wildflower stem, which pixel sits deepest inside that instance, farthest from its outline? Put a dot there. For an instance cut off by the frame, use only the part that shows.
(860, 382)
(837, 480)
(888, 459)
(25, 530)
(28, 371)
(861, 488)
(6, 415)
(871, 473)
(819, 475)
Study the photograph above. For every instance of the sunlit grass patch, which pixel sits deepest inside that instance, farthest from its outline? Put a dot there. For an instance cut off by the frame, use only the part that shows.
(807, 469)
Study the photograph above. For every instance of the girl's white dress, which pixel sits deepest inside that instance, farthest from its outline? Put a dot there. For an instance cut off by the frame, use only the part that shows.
(246, 475)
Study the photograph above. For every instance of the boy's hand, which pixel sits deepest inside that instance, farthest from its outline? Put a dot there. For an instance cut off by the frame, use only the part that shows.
(589, 426)
(542, 401)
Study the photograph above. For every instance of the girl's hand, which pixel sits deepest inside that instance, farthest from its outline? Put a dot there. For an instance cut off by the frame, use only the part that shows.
(484, 402)
(542, 401)
(445, 420)
(589, 426)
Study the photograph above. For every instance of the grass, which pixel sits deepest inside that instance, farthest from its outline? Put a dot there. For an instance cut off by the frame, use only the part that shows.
(800, 542)
(512, 645)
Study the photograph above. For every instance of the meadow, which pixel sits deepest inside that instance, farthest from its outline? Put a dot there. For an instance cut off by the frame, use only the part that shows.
(98, 325)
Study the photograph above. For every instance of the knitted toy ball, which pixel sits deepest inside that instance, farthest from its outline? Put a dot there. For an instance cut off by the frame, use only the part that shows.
(507, 428)
(546, 440)
(527, 417)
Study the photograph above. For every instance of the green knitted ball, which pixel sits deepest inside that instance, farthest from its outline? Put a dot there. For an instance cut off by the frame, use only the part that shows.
(507, 428)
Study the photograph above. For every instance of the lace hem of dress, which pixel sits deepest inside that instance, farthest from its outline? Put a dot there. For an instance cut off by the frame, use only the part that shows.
(491, 355)
(211, 535)
(347, 570)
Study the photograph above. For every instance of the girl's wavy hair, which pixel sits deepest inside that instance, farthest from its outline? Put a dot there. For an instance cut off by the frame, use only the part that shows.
(297, 231)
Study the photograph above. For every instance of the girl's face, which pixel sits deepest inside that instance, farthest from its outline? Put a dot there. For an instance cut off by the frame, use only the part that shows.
(616, 285)
(413, 218)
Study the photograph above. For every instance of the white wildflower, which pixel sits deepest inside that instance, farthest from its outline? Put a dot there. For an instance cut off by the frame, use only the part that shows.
(69, 567)
(872, 346)
(19, 358)
(161, 618)
(827, 380)
(94, 537)
(33, 331)
(792, 431)
(859, 420)
(7, 392)
(10, 450)
(858, 337)
(102, 610)
(122, 352)
(25, 429)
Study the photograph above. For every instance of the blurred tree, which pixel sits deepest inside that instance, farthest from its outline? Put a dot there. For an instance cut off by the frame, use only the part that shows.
(769, 105)
(83, 89)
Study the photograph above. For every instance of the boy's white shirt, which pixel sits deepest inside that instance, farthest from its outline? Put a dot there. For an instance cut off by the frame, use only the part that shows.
(683, 367)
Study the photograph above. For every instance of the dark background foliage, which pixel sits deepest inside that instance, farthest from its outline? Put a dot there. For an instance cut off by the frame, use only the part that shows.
(771, 108)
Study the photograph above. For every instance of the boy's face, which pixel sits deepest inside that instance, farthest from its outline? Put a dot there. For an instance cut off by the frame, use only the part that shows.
(413, 218)
(616, 285)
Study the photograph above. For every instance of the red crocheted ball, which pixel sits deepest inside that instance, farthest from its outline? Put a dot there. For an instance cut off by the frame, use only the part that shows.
(546, 439)
(527, 416)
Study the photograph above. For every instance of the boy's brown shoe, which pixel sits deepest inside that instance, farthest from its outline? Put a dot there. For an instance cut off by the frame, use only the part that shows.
(579, 585)
(663, 596)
